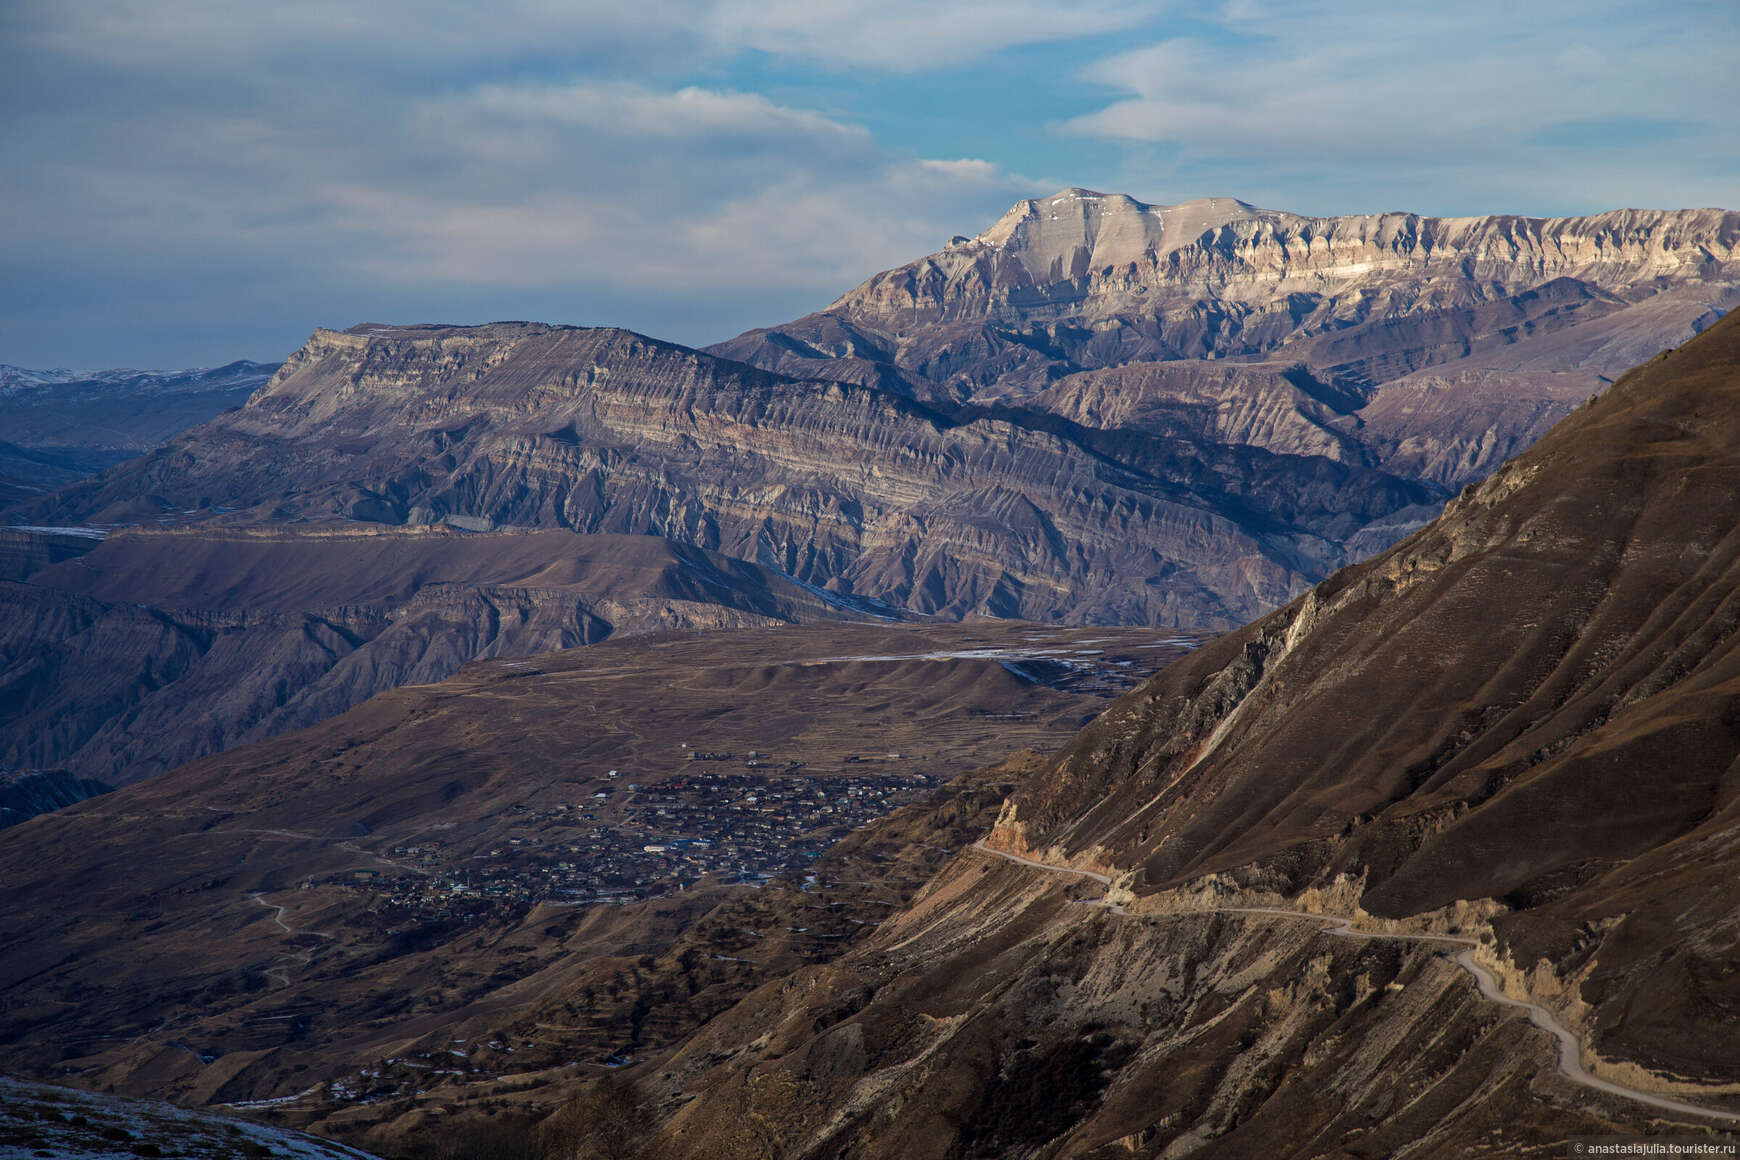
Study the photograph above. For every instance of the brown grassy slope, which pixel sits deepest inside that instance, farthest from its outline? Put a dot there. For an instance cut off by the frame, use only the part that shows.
(1533, 700)
(131, 926)
(1530, 700)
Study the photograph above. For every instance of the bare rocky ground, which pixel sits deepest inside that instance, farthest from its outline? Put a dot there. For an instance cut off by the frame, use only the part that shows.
(38, 1120)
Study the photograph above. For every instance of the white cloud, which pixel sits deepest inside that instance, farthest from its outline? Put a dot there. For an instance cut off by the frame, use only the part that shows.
(218, 35)
(910, 35)
(444, 152)
(894, 35)
(805, 232)
(593, 185)
(441, 151)
(1463, 92)
(631, 110)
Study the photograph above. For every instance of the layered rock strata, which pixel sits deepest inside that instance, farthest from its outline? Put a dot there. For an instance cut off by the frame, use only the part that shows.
(994, 511)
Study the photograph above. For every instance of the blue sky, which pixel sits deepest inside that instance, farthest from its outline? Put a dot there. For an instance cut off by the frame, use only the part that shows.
(195, 181)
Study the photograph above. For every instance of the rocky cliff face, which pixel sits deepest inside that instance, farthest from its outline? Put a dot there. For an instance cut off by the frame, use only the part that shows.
(1085, 254)
(1361, 307)
(956, 511)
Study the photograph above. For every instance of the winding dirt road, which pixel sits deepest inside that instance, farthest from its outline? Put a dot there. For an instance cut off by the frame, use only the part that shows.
(1570, 1048)
(277, 913)
(302, 959)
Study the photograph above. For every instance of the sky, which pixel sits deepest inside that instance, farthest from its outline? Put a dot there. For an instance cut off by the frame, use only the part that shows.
(189, 182)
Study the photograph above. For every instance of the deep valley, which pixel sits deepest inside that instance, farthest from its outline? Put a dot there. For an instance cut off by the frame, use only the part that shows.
(1141, 681)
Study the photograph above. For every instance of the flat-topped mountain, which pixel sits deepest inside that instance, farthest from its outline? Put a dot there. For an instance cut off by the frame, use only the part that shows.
(1398, 332)
(952, 511)
(1098, 255)
(1095, 410)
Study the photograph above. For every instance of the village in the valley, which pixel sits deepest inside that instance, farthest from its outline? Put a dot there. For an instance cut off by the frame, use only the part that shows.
(726, 818)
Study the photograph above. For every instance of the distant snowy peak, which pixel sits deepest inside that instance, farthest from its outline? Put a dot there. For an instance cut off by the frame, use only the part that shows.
(12, 377)
(18, 380)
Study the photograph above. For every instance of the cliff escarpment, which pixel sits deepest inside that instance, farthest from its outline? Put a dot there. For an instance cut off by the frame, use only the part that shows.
(1398, 332)
(953, 510)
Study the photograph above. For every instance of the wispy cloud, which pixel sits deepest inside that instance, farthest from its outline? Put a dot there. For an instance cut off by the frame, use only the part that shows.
(911, 35)
(439, 152)
(694, 167)
(1461, 92)
(634, 111)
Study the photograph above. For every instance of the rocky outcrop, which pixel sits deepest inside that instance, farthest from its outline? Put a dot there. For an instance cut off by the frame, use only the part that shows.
(953, 511)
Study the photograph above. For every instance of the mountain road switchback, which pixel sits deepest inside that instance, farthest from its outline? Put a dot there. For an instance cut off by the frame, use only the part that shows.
(1570, 1047)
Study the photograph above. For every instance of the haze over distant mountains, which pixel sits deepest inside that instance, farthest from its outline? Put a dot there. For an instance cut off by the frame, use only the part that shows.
(61, 425)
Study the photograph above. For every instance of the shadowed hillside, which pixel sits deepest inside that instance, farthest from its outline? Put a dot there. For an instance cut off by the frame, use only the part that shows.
(1514, 732)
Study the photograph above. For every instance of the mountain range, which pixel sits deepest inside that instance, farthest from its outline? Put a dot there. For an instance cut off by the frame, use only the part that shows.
(1284, 898)
(1095, 411)
(1514, 730)
(62, 425)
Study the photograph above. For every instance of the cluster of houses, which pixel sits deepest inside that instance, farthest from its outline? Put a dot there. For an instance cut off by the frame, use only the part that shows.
(726, 818)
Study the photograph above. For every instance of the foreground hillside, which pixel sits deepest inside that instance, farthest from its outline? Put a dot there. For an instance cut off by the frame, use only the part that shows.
(41, 1120)
(510, 859)
(1510, 738)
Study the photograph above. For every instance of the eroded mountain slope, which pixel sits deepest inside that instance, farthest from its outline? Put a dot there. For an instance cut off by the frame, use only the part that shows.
(1517, 728)
(1539, 312)
(159, 647)
(1004, 512)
